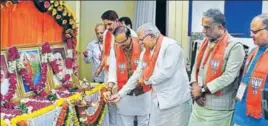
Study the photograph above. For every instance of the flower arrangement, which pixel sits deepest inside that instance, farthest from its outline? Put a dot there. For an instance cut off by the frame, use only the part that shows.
(12, 57)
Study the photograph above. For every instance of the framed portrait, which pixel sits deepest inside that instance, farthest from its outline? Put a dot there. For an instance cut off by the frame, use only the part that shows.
(59, 55)
(4, 78)
(30, 58)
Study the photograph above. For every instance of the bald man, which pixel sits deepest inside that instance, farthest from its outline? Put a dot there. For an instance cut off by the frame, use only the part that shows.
(93, 53)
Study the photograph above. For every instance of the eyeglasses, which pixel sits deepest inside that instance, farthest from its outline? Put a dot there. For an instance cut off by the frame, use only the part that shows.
(144, 37)
(255, 32)
(120, 43)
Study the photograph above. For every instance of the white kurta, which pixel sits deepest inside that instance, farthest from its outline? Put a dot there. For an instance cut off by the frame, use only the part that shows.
(129, 105)
(114, 118)
(170, 85)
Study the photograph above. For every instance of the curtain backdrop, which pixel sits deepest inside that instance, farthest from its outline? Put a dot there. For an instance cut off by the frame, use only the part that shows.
(144, 13)
(25, 25)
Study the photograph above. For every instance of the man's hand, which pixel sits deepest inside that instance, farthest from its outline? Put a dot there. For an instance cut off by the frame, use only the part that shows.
(114, 98)
(98, 71)
(85, 53)
(140, 81)
(195, 91)
(107, 95)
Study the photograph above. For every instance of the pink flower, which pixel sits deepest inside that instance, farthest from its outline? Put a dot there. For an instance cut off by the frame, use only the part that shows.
(45, 47)
(13, 53)
(69, 63)
(46, 4)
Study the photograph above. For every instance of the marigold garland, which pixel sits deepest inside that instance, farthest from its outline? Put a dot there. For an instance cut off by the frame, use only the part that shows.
(58, 102)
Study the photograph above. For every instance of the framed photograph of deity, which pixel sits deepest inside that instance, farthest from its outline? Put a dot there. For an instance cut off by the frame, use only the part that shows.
(59, 53)
(5, 84)
(31, 59)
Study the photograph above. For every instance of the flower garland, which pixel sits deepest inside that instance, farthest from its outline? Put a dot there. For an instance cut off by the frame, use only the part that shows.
(62, 115)
(38, 88)
(75, 119)
(47, 56)
(65, 18)
(58, 102)
(104, 111)
(12, 57)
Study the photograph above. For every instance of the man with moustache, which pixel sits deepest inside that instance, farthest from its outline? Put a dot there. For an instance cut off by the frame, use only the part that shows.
(249, 108)
(161, 67)
(215, 74)
(123, 62)
(111, 21)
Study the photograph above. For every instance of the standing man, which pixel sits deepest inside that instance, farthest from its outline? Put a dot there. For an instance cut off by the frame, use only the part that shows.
(94, 51)
(161, 67)
(249, 110)
(215, 73)
(123, 62)
(111, 21)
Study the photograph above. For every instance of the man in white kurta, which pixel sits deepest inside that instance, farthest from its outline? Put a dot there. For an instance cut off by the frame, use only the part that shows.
(111, 21)
(132, 104)
(171, 104)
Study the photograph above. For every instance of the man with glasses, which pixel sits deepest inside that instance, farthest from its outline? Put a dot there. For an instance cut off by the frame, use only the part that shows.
(111, 22)
(215, 75)
(124, 59)
(249, 110)
(162, 68)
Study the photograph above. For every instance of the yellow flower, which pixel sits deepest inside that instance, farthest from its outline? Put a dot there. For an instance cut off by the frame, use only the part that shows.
(61, 2)
(64, 22)
(71, 21)
(73, 26)
(58, 16)
(56, 3)
(50, 8)
(64, 13)
(54, 12)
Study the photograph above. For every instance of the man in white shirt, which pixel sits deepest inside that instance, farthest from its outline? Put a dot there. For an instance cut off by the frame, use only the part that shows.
(162, 67)
(94, 51)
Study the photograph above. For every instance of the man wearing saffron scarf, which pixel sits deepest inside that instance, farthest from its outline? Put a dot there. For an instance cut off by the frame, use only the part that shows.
(124, 59)
(248, 109)
(111, 21)
(215, 75)
(161, 67)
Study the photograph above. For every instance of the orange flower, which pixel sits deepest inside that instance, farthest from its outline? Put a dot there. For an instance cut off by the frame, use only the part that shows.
(60, 8)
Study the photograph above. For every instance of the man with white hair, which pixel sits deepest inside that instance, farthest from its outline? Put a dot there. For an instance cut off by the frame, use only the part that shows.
(162, 67)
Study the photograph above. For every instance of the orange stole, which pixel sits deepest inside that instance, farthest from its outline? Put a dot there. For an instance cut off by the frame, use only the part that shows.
(107, 47)
(151, 60)
(121, 63)
(216, 62)
(256, 85)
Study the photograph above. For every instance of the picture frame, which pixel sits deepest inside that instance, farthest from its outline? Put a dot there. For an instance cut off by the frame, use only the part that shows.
(5, 80)
(31, 59)
(59, 53)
